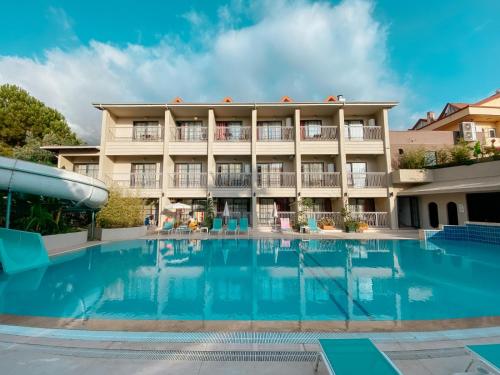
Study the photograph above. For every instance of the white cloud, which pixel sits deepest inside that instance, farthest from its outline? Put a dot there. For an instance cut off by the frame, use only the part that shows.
(301, 49)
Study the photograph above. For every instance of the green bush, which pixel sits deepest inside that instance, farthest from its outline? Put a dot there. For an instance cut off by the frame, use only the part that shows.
(413, 159)
(120, 212)
(461, 153)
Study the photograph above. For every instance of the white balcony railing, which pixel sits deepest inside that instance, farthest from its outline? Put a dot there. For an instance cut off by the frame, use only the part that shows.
(362, 133)
(276, 179)
(189, 134)
(187, 180)
(275, 134)
(335, 216)
(267, 218)
(135, 180)
(320, 133)
(373, 219)
(233, 133)
(234, 215)
(136, 133)
(320, 179)
(232, 180)
(366, 180)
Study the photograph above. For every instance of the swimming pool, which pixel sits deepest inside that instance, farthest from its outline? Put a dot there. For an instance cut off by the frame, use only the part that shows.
(262, 280)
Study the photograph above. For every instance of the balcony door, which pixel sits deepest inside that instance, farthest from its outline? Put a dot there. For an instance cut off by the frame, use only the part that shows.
(146, 131)
(311, 129)
(229, 130)
(190, 130)
(188, 175)
(143, 175)
(269, 130)
(91, 169)
(229, 174)
(312, 174)
(356, 174)
(269, 174)
(354, 130)
(361, 205)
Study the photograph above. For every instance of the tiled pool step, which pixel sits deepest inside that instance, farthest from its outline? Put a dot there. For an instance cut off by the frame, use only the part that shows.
(476, 232)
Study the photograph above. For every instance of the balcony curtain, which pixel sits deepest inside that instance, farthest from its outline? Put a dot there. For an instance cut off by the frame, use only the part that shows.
(221, 130)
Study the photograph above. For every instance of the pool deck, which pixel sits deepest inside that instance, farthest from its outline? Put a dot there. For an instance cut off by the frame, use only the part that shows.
(414, 353)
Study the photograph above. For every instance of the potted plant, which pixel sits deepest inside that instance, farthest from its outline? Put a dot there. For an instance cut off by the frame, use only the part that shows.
(350, 224)
(362, 226)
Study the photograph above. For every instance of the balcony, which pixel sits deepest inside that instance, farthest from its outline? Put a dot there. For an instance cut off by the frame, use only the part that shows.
(189, 134)
(363, 133)
(137, 181)
(366, 180)
(233, 133)
(187, 180)
(320, 179)
(276, 180)
(275, 134)
(140, 140)
(320, 133)
(232, 180)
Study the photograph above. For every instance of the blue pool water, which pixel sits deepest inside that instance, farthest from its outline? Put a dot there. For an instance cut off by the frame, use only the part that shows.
(263, 280)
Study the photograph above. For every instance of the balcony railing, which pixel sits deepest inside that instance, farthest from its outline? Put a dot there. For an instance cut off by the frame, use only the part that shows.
(187, 180)
(335, 216)
(366, 180)
(276, 179)
(362, 133)
(322, 133)
(232, 180)
(373, 219)
(135, 180)
(275, 134)
(320, 179)
(233, 134)
(189, 134)
(266, 218)
(234, 215)
(137, 133)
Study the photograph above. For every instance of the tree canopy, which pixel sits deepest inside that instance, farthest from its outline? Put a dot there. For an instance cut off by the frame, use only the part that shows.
(26, 123)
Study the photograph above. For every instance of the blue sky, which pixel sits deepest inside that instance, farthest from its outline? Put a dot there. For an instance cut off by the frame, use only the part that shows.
(421, 53)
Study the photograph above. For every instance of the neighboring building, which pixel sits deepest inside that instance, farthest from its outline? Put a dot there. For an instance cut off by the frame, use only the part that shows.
(469, 121)
(249, 155)
(429, 198)
(403, 141)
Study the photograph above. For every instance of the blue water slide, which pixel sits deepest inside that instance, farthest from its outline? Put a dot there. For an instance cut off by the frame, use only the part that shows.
(21, 251)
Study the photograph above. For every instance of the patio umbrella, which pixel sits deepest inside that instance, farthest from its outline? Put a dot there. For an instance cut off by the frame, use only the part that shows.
(226, 211)
(177, 206)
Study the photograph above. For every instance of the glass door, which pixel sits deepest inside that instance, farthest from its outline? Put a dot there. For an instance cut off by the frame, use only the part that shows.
(143, 175)
(188, 175)
(312, 174)
(356, 173)
(354, 130)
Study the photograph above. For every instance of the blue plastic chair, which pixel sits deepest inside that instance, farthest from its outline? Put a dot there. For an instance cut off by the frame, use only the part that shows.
(354, 356)
(313, 226)
(244, 225)
(216, 226)
(168, 226)
(232, 226)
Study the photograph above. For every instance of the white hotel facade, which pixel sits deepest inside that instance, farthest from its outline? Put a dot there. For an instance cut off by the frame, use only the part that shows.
(249, 155)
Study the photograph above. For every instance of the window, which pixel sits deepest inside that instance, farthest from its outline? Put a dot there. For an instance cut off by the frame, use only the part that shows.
(146, 131)
(270, 130)
(354, 129)
(492, 133)
(401, 151)
(361, 205)
(311, 129)
(229, 130)
(190, 131)
(356, 174)
(143, 175)
(269, 175)
(188, 175)
(433, 214)
(312, 174)
(90, 169)
(231, 174)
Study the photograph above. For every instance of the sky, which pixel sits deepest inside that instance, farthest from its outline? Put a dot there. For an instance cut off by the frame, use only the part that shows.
(422, 54)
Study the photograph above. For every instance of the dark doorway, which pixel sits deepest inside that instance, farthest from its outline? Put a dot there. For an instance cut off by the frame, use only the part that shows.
(484, 207)
(433, 215)
(451, 208)
(408, 215)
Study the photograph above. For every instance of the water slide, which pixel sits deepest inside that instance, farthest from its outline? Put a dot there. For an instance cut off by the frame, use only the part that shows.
(20, 251)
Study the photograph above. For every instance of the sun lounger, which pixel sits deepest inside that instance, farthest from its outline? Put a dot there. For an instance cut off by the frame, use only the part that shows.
(488, 354)
(244, 225)
(353, 357)
(232, 226)
(216, 226)
(168, 226)
(285, 224)
(313, 226)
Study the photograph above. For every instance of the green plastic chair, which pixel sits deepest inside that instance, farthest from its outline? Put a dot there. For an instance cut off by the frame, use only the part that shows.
(168, 226)
(244, 225)
(313, 226)
(354, 357)
(232, 226)
(489, 354)
(216, 226)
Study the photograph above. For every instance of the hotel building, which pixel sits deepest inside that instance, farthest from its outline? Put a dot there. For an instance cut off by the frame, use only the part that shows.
(250, 155)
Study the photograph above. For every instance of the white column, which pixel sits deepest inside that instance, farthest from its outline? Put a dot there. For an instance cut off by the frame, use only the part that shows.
(383, 120)
(254, 168)
(338, 120)
(298, 157)
(210, 146)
